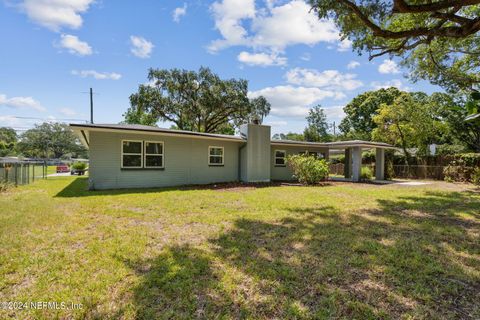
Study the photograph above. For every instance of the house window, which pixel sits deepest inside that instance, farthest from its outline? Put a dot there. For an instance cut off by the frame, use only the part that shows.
(280, 158)
(215, 156)
(153, 154)
(131, 154)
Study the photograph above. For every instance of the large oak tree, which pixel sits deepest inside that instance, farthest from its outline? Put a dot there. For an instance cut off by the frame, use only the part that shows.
(437, 39)
(196, 101)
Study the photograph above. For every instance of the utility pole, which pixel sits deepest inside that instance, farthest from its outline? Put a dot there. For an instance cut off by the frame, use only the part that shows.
(334, 127)
(91, 106)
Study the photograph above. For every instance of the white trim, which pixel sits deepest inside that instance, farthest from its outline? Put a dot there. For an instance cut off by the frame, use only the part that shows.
(162, 133)
(145, 154)
(131, 154)
(275, 158)
(222, 156)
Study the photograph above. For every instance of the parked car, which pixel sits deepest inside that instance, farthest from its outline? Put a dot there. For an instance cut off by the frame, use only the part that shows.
(63, 168)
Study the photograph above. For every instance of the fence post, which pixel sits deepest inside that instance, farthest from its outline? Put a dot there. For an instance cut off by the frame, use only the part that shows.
(16, 174)
(33, 173)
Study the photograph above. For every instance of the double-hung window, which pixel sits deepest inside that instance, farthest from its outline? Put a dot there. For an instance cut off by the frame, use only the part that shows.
(215, 156)
(132, 154)
(280, 158)
(153, 154)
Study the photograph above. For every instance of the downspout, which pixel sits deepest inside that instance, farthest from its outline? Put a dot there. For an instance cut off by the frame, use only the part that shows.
(240, 160)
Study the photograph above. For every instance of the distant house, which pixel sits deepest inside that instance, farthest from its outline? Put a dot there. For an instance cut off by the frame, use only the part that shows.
(137, 156)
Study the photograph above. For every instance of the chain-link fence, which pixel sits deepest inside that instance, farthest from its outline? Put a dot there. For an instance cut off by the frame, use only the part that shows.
(21, 172)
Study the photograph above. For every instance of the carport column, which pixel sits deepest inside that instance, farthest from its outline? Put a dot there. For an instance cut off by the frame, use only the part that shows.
(380, 164)
(356, 163)
(347, 168)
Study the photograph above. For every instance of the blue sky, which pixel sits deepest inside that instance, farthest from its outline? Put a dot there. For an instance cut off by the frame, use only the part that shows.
(54, 50)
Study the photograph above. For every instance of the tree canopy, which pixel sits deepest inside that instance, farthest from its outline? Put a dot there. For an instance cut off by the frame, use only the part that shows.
(410, 121)
(358, 122)
(437, 39)
(50, 140)
(8, 140)
(317, 125)
(196, 101)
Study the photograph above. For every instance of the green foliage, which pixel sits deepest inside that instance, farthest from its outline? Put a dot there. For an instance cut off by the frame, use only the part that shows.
(50, 140)
(366, 174)
(79, 166)
(359, 113)
(441, 45)
(476, 176)
(289, 136)
(457, 171)
(196, 101)
(307, 169)
(317, 126)
(8, 141)
(409, 122)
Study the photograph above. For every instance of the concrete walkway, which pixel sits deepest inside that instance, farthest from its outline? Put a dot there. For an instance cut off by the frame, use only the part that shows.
(385, 182)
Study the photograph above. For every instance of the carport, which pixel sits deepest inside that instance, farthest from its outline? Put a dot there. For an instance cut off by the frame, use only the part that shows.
(353, 157)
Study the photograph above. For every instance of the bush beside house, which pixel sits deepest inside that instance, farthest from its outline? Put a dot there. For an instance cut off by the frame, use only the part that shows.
(307, 169)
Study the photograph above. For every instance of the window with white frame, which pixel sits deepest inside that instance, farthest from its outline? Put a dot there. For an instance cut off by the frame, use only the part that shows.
(153, 154)
(215, 156)
(132, 154)
(280, 158)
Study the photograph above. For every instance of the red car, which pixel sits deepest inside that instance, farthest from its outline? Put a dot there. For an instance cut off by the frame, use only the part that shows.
(63, 168)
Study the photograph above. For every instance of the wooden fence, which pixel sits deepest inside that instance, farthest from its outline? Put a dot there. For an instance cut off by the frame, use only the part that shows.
(402, 171)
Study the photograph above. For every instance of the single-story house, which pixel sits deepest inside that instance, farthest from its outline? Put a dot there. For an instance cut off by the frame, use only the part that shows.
(138, 156)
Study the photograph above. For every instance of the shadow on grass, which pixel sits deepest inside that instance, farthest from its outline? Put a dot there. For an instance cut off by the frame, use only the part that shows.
(413, 257)
(79, 188)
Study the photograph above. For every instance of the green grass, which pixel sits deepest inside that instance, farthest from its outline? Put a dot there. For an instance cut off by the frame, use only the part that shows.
(352, 251)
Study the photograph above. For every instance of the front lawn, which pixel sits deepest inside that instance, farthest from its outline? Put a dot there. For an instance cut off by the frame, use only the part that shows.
(337, 251)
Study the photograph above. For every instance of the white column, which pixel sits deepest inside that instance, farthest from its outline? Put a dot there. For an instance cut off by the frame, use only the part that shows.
(380, 164)
(356, 163)
(347, 168)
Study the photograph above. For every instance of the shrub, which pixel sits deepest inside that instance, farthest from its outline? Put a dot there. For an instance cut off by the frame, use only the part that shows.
(366, 173)
(307, 169)
(79, 166)
(476, 176)
(5, 186)
(456, 171)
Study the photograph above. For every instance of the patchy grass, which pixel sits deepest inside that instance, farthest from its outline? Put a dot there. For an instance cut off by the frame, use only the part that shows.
(336, 251)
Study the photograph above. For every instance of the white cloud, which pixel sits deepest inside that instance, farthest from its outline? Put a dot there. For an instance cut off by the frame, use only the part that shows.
(68, 112)
(344, 45)
(306, 56)
(20, 103)
(388, 67)
(334, 113)
(276, 123)
(141, 47)
(397, 83)
(179, 13)
(273, 27)
(228, 15)
(261, 59)
(97, 75)
(74, 45)
(353, 64)
(55, 14)
(294, 101)
(328, 79)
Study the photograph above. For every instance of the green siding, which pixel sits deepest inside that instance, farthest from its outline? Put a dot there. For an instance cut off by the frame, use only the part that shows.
(185, 162)
(285, 173)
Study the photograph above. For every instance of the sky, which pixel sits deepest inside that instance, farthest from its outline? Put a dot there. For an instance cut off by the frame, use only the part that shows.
(53, 51)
